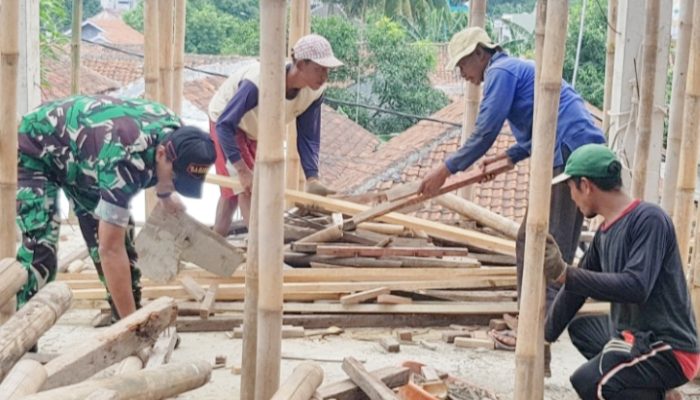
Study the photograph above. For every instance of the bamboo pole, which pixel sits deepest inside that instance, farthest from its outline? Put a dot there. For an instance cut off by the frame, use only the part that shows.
(609, 63)
(150, 71)
(477, 17)
(250, 312)
(9, 58)
(685, 189)
(675, 121)
(25, 378)
(75, 47)
(165, 37)
(302, 383)
(529, 357)
(479, 214)
(270, 166)
(691, 128)
(646, 101)
(179, 54)
(299, 25)
(12, 276)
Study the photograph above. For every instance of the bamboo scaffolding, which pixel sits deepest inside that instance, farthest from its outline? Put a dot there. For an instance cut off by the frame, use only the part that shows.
(9, 59)
(165, 38)
(675, 121)
(76, 32)
(529, 358)
(477, 17)
(685, 189)
(179, 54)
(299, 25)
(609, 63)
(270, 167)
(250, 316)
(691, 127)
(151, 70)
(646, 101)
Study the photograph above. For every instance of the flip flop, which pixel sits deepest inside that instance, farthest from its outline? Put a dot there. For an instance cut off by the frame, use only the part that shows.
(503, 340)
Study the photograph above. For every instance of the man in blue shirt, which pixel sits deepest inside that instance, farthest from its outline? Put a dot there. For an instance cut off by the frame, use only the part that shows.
(509, 88)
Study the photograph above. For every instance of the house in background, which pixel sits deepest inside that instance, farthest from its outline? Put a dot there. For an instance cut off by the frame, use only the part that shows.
(119, 5)
(108, 27)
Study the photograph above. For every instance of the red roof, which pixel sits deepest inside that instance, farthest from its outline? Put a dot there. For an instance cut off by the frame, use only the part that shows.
(115, 30)
(58, 77)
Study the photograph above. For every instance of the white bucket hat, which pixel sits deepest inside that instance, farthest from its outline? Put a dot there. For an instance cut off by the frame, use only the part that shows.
(317, 49)
(463, 43)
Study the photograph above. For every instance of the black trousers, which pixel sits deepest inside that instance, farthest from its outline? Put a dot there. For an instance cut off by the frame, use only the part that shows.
(617, 369)
(565, 222)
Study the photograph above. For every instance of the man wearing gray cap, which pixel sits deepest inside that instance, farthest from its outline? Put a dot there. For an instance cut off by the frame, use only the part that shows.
(233, 114)
(509, 88)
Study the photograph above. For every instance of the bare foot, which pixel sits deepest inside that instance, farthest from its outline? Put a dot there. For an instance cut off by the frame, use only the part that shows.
(503, 340)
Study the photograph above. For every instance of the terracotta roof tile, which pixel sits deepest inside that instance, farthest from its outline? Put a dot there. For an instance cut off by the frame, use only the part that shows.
(115, 30)
(58, 77)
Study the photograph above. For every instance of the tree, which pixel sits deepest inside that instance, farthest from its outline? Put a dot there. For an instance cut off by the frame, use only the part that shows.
(344, 37)
(90, 9)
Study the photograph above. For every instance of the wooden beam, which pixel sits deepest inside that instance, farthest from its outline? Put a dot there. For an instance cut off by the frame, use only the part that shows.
(347, 389)
(301, 384)
(151, 68)
(370, 251)
(392, 299)
(390, 344)
(9, 57)
(529, 381)
(180, 12)
(609, 66)
(359, 297)
(25, 378)
(76, 32)
(434, 229)
(479, 214)
(23, 330)
(208, 303)
(159, 383)
(128, 336)
(163, 349)
(192, 288)
(252, 289)
(12, 277)
(370, 384)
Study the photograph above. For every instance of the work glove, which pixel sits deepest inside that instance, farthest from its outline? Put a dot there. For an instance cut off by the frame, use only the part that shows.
(554, 265)
(314, 186)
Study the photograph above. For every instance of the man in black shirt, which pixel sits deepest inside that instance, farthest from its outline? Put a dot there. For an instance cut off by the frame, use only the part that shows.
(648, 344)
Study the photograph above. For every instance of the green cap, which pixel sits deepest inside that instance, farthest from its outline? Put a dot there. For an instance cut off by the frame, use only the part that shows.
(591, 161)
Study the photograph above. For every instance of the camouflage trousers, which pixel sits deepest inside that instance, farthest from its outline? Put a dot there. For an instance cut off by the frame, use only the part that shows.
(39, 220)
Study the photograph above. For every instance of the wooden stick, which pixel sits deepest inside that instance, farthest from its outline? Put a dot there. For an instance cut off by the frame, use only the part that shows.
(159, 383)
(178, 54)
(685, 194)
(359, 297)
(163, 348)
(477, 18)
(675, 120)
(151, 69)
(609, 68)
(646, 101)
(370, 251)
(270, 165)
(128, 336)
(192, 287)
(435, 229)
(301, 384)
(129, 364)
(25, 378)
(9, 59)
(12, 277)
(207, 306)
(75, 34)
(479, 214)
(392, 299)
(370, 384)
(386, 229)
(24, 329)
(348, 390)
(529, 380)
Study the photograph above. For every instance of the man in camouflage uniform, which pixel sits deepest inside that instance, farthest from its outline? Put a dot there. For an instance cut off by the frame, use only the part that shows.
(101, 151)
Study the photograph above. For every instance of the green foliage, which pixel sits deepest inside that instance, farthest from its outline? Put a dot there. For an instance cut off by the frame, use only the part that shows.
(344, 37)
(243, 9)
(90, 9)
(590, 78)
(207, 27)
(496, 8)
(242, 38)
(413, 10)
(134, 17)
(52, 13)
(436, 25)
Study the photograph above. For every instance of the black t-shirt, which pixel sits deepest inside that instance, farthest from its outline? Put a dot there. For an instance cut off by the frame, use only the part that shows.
(635, 264)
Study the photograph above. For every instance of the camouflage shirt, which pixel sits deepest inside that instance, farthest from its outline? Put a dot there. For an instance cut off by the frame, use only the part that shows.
(100, 149)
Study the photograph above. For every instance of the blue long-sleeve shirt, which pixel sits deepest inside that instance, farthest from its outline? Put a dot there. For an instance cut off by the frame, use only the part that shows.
(245, 100)
(509, 90)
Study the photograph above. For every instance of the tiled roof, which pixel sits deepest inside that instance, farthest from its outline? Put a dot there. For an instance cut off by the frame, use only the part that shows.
(58, 77)
(115, 30)
(199, 92)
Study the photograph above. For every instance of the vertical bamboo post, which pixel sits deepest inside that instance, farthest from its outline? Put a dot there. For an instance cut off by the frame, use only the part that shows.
(609, 63)
(529, 357)
(250, 311)
(646, 101)
(9, 59)
(150, 70)
(270, 166)
(299, 25)
(165, 37)
(689, 151)
(75, 47)
(179, 54)
(675, 121)
(477, 17)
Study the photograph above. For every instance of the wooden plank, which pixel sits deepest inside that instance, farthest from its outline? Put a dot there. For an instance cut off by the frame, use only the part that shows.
(368, 251)
(390, 344)
(393, 299)
(126, 337)
(450, 336)
(370, 384)
(65, 259)
(208, 303)
(471, 295)
(288, 332)
(347, 390)
(163, 348)
(435, 229)
(473, 343)
(192, 288)
(356, 298)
